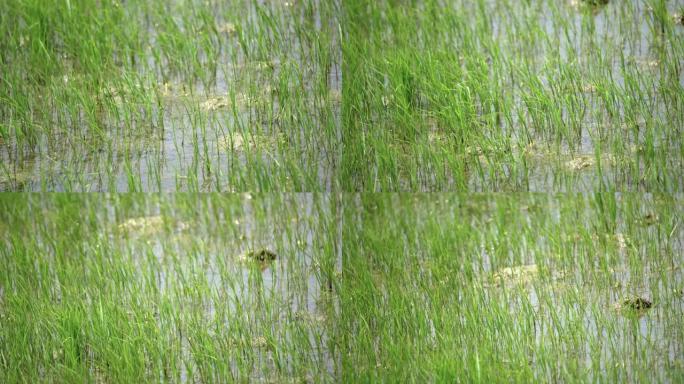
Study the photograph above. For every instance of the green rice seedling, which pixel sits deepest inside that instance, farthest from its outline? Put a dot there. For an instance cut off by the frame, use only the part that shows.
(511, 288)
(155, 288)
(152, 86)
(501, 95)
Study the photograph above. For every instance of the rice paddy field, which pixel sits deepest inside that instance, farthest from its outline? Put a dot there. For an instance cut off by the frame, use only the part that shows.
(352, 288)
(146, 96)
(144, 288)
(506, 95)
(512, 288)
(346, 191)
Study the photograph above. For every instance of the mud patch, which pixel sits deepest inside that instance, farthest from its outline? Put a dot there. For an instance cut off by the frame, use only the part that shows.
(263, 258)
(582, 162)
(634, 305)
(521, 275)
(150, 225)
(250, 141)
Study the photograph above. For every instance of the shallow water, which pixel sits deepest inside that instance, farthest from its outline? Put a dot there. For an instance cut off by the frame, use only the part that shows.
(173, 144)
(598, 72)
(182, 255)
(443, 264)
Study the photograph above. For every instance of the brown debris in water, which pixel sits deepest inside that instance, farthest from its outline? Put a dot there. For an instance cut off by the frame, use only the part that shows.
(587, 161)
(148, 225)
(227, 28)
(263, 258)
(678, 18)
(635, 303)
(580, 162)
(262, 255)
(522, 274)
(241, 142)
(649, 219)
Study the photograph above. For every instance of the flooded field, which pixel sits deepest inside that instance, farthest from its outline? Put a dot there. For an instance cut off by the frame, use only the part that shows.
(311, 191)
(190, 95)
(504, 95)
(239, 95)
(347, 288)
(182, 288)
(513, 288)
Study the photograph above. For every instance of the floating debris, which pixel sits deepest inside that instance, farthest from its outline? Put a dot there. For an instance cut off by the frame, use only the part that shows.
(637, 149)
(592, 4)
(649, 219)
(474, 151)
(149, 225)
(172, 90)
(587, 161)
(678, 18)
(635, 303)
(621, 240)
(215, 103)
(240, 142)
(179, 93)
(224, 102)
(256, 342)
(589, 88)
(227, 28)
(262, 255)
(259, 342)
(646, 62)
(520, 275)
(534, 149)
(595, 3)
(15, 178)
(137, 223)
(235, 142)
(335, 96)
(580, 163)
(310, 317)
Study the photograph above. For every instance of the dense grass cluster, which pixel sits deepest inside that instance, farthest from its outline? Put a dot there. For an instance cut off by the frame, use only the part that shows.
(367, 287)
(173, 96)
(248, 95)
(348, 138)
(142, 288)
(510, 95)
(520, 288)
